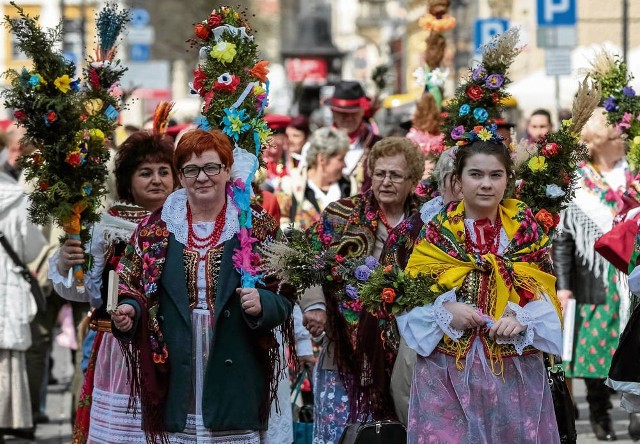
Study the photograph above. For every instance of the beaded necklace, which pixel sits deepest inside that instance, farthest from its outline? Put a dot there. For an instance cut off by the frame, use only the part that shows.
(195, 242)
(486, 232)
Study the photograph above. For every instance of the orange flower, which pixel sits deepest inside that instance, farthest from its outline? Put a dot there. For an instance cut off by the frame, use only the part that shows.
(260, 71)
(545, 219)
(387, 269)
(202, 31)
(388, 295)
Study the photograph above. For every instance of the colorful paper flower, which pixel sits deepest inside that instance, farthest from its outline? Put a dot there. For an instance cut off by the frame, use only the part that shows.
(224, 52)
(63, 83)
(610, 104)
(36, 80)
(86, 189)
(479, 73)
(74, 158)
(75, 85)
(235, 123)
(226, 82)
(202, 31)
(628, 91)
(362, 273)
(494, 81)
(550, 149)
(215, 20)
(537, 163)
(457, 132)
(464, 110)
(484, 134)
(96, 135)
(50, 117)
(388, 295)
(111, 113)
(480, 114)
(474, 92)
(261, 129)
(553, 191)
(19, 115)
(260, 71)
(199, 77)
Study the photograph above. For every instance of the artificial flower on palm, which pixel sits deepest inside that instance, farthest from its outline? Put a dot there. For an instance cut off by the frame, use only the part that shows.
(68, 120)
(546, 181)
(621, 101)
(232, 80)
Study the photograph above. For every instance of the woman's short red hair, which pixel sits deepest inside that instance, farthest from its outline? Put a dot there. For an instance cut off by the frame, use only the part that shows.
(198, 141)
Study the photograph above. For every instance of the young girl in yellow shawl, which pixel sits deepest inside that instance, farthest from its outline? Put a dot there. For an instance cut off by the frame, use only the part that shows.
(480, 375)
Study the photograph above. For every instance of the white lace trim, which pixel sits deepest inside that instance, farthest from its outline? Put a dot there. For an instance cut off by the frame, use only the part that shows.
(174, 214)
(444, 316)
(525, 338)
(115, 228)
(431, 208)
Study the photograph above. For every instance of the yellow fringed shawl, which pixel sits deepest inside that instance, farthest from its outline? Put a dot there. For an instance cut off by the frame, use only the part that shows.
(517, 267)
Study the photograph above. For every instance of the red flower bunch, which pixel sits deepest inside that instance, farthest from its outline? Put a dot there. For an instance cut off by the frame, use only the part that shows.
(74, 159)
(474, 92)
(20, 115)
(226, 82)
(550, 149)
(388, 295)
(546, 220)
(199, 78)
(215, 20)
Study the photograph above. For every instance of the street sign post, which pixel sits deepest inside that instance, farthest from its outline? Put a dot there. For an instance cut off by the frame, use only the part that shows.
(140, 52)
(557, 61)
(486, 29)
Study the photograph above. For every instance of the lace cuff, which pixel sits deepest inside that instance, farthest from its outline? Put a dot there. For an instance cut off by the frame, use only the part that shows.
(525, 338)
(443, 317)
(54, 275)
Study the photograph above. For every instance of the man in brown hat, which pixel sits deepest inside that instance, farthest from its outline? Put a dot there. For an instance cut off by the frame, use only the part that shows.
(349, 105)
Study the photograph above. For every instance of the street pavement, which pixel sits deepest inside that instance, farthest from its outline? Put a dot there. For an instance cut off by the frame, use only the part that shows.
(58, 430)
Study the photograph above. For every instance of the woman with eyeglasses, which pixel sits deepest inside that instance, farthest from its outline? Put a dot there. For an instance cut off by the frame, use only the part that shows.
(352, 377)
(202, 352)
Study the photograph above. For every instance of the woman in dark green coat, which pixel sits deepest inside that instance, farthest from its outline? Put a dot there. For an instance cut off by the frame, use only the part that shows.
(202, 350)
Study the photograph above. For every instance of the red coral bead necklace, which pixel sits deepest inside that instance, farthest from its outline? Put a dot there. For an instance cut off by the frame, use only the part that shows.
(196, 242)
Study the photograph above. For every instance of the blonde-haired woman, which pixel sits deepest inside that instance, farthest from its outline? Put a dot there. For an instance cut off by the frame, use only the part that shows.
(586, 276)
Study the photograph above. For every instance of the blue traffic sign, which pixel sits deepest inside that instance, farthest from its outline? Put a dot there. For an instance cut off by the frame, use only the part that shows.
(486, 29)
(140, 52)
(557, 12)
(139, 17)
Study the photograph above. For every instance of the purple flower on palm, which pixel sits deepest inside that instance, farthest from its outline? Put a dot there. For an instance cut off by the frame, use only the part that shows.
(352, 291)
(457, 132)
(479, 73)
(610, 104)
(362, 273)
(371, 262)
(628, 91)
(494, 81)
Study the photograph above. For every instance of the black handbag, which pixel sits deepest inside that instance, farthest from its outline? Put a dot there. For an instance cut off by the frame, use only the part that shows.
(562, 401)
(36, 290)
(374, 432)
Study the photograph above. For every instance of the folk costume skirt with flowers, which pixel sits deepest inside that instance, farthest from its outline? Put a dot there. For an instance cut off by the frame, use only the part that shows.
(195, 431)
(596, 335)
(474, 405)
(330, 405)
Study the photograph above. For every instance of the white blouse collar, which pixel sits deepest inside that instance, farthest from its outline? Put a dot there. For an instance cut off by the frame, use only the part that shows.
(174, 214)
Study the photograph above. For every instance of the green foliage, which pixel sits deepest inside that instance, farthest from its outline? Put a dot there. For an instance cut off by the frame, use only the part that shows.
(390, 290)
(547, 180)
(230, 67)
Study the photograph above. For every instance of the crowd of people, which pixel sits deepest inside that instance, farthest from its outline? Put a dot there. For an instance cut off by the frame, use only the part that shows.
(201, 358)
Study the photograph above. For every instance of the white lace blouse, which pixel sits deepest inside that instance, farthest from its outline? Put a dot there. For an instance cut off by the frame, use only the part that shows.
(423, 327)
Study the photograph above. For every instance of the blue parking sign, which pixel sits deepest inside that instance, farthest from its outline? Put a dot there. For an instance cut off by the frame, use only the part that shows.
(486, 29)
(557, 12)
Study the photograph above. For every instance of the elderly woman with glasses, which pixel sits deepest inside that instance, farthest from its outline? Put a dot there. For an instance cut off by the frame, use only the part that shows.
(201, 349)
(354, 367)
